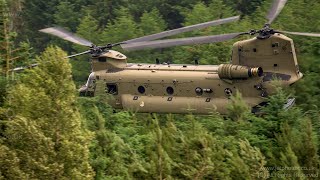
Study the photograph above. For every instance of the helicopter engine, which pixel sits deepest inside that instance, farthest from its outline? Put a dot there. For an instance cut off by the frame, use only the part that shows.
(229, 71)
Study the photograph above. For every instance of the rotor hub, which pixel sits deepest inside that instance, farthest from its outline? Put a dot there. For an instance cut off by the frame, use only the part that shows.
(265, 32)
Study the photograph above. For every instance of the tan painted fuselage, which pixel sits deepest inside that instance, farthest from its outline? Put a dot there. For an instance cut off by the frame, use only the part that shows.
(199, 89)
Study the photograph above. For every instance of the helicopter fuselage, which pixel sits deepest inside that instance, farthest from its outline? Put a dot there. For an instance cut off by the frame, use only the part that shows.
(198, 89)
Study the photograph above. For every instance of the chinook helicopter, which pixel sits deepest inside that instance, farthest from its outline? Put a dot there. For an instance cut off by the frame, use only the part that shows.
(185, 88)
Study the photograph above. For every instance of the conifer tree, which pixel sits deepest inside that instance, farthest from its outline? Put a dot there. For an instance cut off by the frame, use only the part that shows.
(37, 14)
(152, 22)
(6, 41)
(9, 164)
(289, 165)
(160, 162)
(124, 28)
(200, 13)
(52, 143)
(308, 152)
(254, 160)
(237, 109)
(67, 15)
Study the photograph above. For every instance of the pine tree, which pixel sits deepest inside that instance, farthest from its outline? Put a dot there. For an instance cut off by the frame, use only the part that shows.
(152, 22)
(36, 15)
(6, 41)
(124, 28)
(289, 166)
(200, 13)
(254, 160)
(237, 109)
(308, 152)
(105, 11)
(9, 164)
(52, 142)
(67, 15)
(245, 7)
(160, 162)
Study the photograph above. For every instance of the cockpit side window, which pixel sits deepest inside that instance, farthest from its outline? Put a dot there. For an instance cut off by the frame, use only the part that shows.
(102, 59)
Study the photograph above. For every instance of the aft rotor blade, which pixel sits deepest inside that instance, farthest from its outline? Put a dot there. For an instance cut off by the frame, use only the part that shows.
(302, 33)
(74, 55)
(179, 42)
(64, 34)
(275, 10)
(183, 29)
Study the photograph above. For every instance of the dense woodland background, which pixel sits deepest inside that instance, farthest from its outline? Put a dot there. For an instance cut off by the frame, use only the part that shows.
(48, 132)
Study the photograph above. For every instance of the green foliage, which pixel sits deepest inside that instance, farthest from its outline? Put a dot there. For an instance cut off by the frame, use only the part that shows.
(105, 11)
(250, 164)
(3, 89)
(245, 7)
(238, 108)
(45, 131)
(67, 9)
(9, 164)
(124, 28)
(151, 22)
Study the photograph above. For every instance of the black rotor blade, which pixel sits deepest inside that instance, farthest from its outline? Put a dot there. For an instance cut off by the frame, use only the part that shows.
(301, 33)
(275, 10)
(183, 29)
(64, 34)
(179, 42)
(74, 55)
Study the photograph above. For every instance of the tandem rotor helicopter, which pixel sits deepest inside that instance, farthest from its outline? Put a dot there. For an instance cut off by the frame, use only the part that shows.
(185, 88)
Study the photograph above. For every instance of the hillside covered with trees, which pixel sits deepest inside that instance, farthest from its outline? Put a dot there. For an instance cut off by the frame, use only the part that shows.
(48, 132)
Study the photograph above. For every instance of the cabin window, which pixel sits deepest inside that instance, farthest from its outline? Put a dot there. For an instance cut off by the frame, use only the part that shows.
(170, 90)
(141, 89)
(112, 89)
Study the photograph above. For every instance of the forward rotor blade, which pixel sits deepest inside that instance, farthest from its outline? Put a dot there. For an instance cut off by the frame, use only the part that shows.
(64, 34)
(17, 69)
(275, 10)
(74, 55)
(183, 29)
(179, 42)
(302, 33)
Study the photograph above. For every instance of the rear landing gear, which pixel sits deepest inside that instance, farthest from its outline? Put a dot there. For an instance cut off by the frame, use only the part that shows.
(257, 109)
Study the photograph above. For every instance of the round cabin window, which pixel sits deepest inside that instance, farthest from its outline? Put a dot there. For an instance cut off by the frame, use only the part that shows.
(170, 90)
(141, 89)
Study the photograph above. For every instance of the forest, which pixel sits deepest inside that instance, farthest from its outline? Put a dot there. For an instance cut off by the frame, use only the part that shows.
(48, 132)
